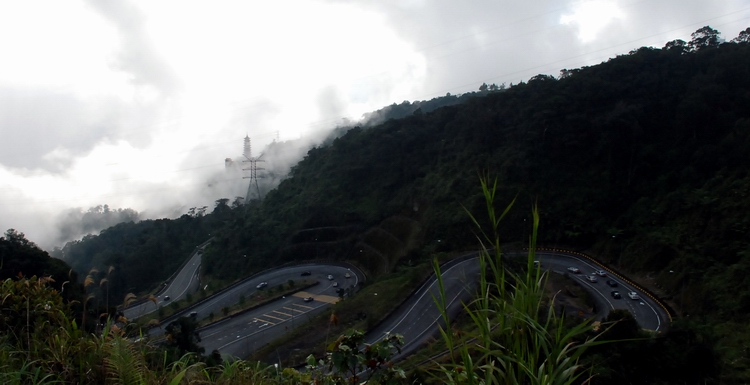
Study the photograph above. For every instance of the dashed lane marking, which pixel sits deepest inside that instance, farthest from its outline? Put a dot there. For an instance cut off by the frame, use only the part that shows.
(270, 316)
(278, 312)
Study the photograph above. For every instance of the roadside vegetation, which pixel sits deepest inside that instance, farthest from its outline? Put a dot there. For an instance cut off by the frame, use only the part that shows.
(640, 161)
(43, 345)
(370, 305)
(269, 294)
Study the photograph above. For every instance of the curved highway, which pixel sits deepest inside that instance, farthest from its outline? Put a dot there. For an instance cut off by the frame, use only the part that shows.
(649, 314)
(242, 334)
(417, 319)
(184, 282)
(215, 335)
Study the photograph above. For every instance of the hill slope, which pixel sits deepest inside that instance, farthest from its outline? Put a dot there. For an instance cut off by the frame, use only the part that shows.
(642, 159)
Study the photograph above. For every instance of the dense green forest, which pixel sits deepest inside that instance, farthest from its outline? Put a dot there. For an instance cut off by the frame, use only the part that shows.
(641, 160)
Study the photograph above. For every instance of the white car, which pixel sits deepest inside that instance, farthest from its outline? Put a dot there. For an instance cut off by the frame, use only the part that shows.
(601, 273)
(262, 285)
(591, 278)
(330, 277)
(574, 270)
(633, 295)
(335, 284)
(347, 275)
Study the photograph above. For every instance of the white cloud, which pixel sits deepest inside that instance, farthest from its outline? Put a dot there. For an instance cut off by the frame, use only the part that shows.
(592, 16)
(136, 103)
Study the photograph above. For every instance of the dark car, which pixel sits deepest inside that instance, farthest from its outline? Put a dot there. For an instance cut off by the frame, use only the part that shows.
(616, 295)
(308, 299)
(611, 283)
(166, 298)
(304, 273)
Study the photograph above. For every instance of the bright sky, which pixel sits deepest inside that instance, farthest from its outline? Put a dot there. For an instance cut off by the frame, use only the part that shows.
(137, 103)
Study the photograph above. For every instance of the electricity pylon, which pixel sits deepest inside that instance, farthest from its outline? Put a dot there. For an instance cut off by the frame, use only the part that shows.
(248, 155)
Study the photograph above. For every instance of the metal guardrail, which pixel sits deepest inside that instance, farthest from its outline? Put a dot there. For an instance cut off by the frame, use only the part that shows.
(244, 280)
(161, 288)
(667, 308)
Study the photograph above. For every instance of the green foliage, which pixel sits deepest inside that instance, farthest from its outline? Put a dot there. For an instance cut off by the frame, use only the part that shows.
(653, 143)
(29, 308)
(21, 257)
(684, 354)
(182, 337)
(350, 361)
(131, 248)
(515, 338)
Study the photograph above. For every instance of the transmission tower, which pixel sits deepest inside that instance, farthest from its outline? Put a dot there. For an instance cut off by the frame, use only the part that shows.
(247, 153)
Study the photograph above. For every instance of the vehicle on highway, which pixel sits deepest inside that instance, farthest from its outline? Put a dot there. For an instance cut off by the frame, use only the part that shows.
(600, 273)
(537, 264)
(616, 294)
(262, 285)
(591, 278)
(611, 283)
(308, 299)
(633, 295)
(305, 273)
(574, 270)
(347, 275)
(166, 298)
(193, 313)
(330, 277)
(335, 284)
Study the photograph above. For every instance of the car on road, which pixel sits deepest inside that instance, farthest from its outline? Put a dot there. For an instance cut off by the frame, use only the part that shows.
(335, 284)
(347, 275)
(166, 298)
(574, 270)
(308, 299)
(600, 273)
(633, 295)
(306, 273)
(616, 294)
(591, 278)
(611, 283)
(261, 285)
(330, 277)
(193, 313)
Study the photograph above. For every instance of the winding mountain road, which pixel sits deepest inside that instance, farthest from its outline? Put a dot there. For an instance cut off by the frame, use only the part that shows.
(185, 281)
(417, 318)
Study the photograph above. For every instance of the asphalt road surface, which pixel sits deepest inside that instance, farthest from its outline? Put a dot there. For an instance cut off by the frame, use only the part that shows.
(417, 319)
(185, 281)
(649, 314)
(242, 334)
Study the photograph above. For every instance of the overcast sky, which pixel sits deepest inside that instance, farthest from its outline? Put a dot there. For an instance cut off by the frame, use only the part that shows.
(137, 103)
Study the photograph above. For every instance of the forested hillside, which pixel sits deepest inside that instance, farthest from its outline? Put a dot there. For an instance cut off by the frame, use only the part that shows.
(641, 160)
